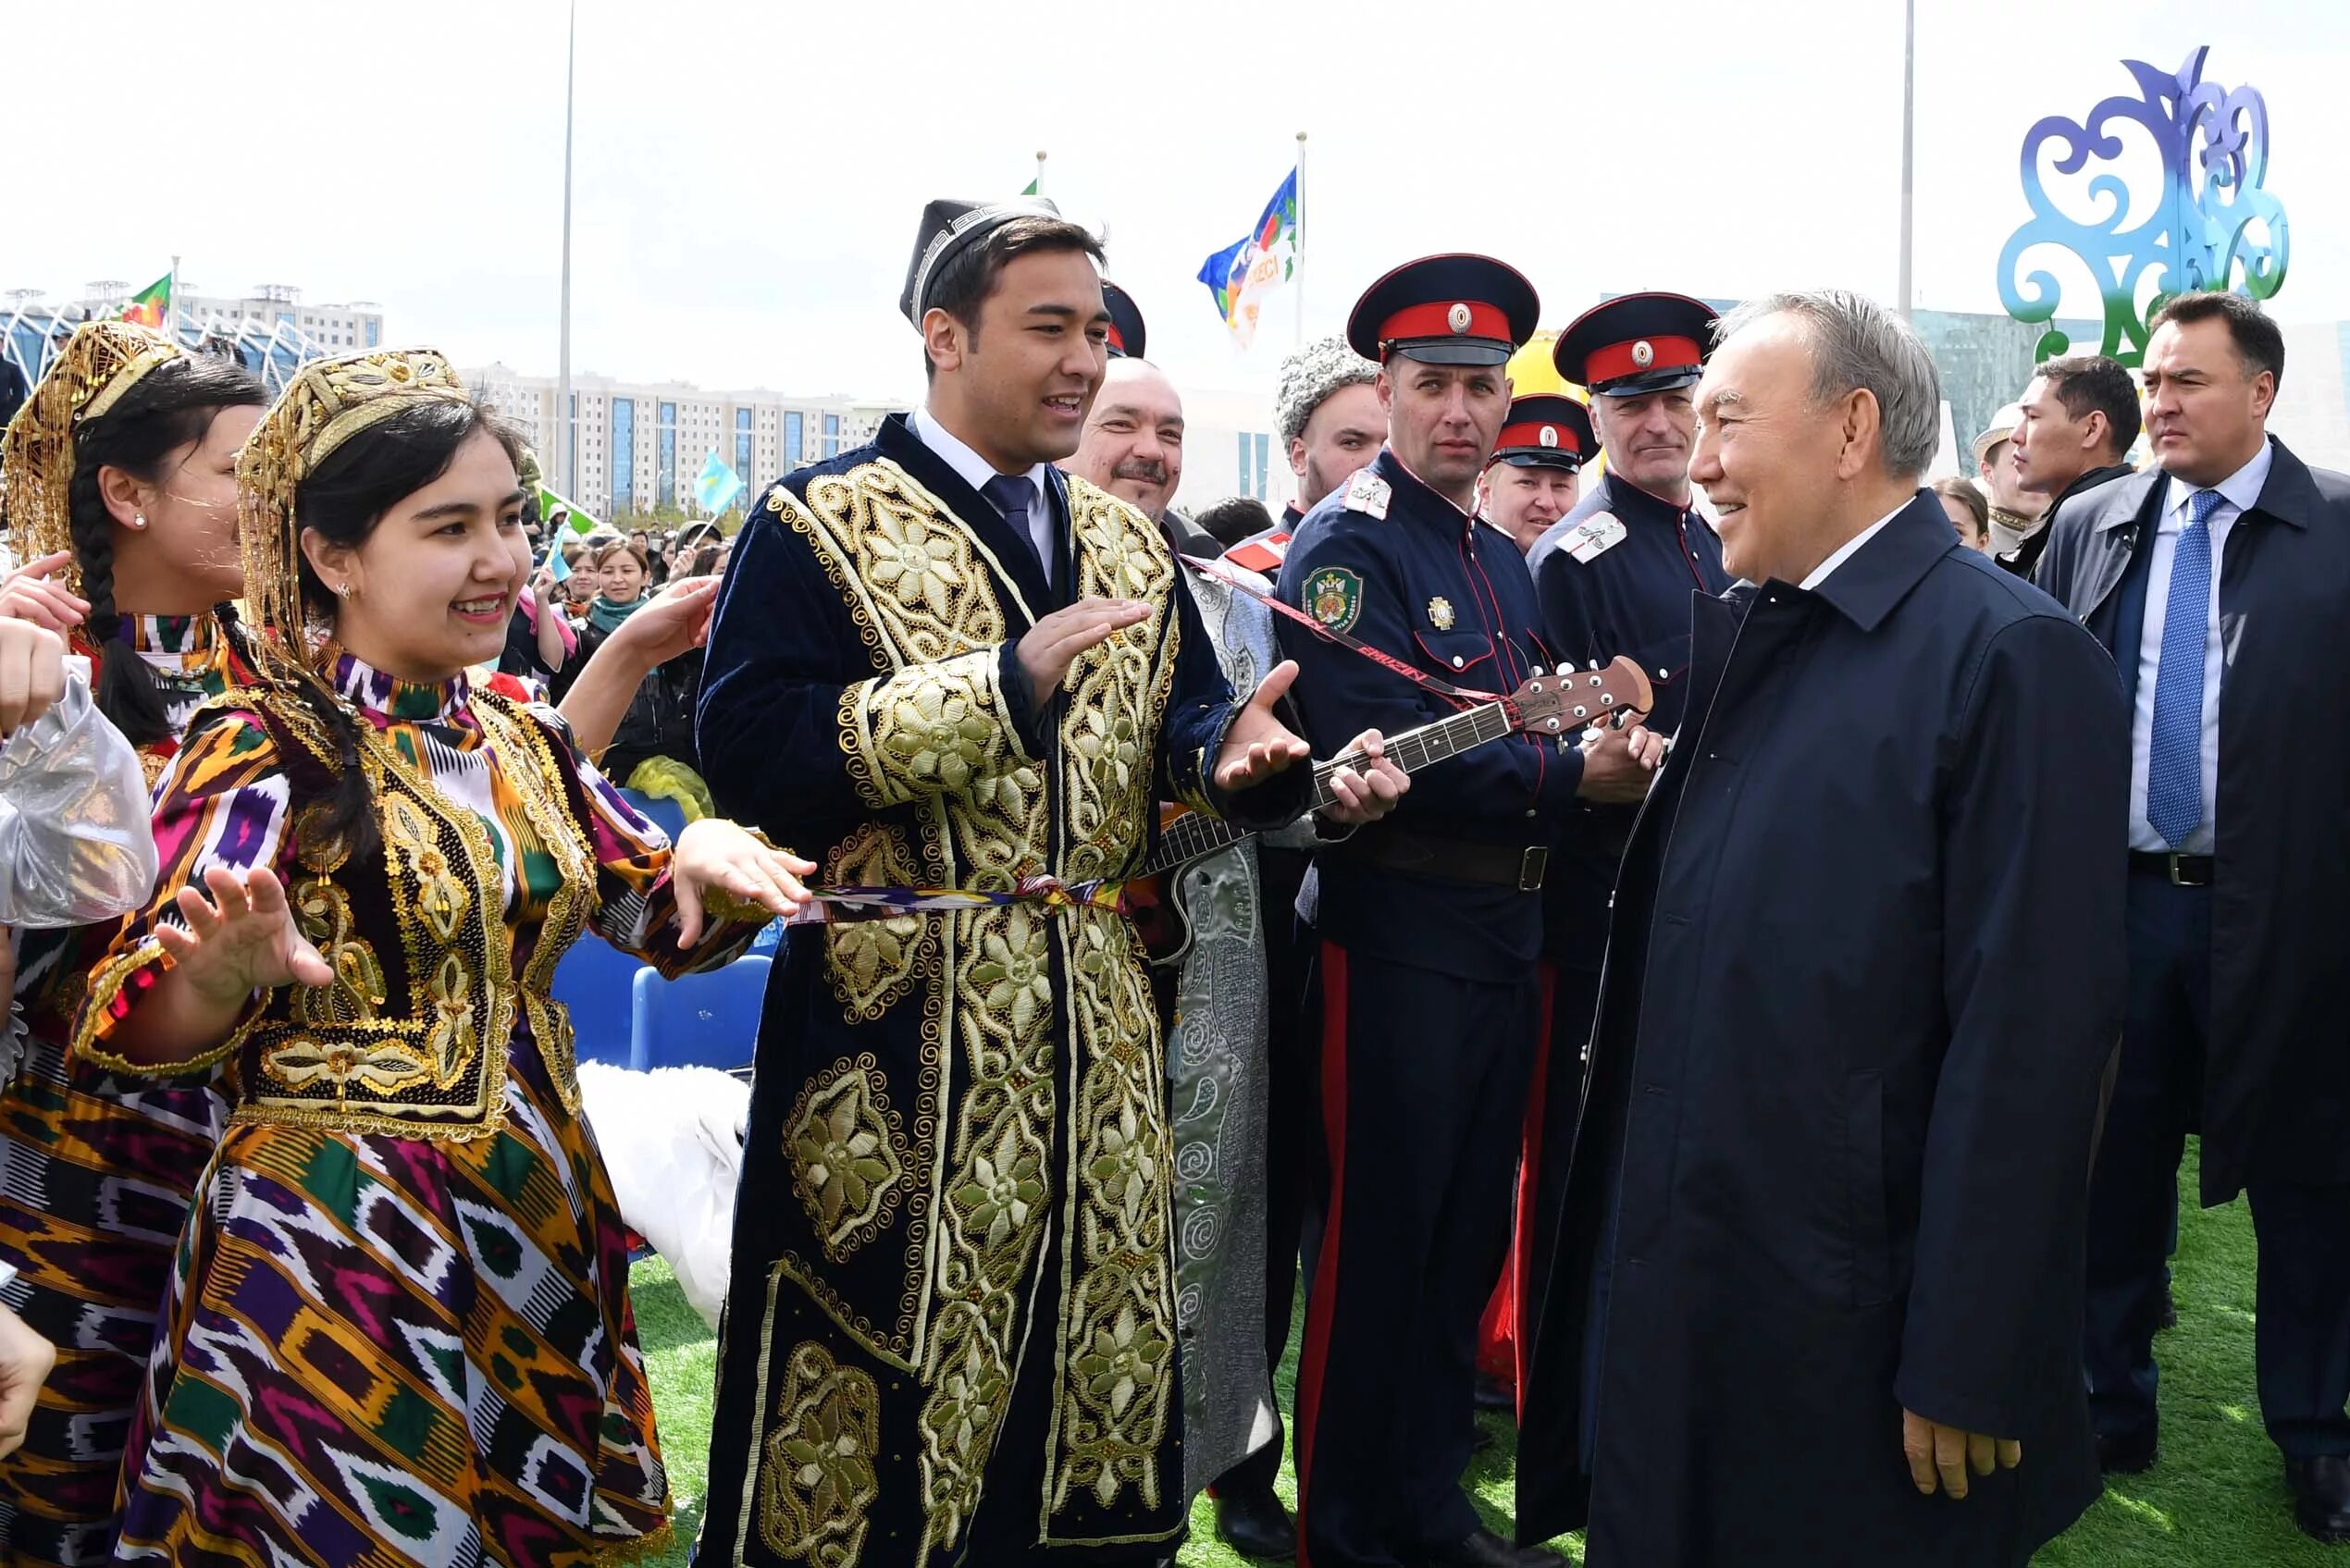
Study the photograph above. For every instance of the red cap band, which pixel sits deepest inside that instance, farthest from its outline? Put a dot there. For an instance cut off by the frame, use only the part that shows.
(1461, 318)
(1562, 436)
(1116, 338)
(1619, 359)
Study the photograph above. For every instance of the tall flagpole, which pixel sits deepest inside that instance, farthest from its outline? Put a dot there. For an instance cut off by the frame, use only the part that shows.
(1039, 171)
(566, 427)
(1298, 245)
(1908, 141)
(171, 303)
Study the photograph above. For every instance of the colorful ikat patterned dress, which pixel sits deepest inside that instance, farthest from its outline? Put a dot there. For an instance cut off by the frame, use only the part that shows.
(399, 1335)
(96, 1172)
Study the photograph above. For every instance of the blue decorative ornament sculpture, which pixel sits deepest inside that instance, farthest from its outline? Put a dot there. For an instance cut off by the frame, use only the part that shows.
(2214, 145)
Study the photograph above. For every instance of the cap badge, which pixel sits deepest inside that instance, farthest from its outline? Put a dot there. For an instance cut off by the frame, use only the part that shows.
(1457, 318)
(1440, 613)
(1643, 354)
(1549, 435)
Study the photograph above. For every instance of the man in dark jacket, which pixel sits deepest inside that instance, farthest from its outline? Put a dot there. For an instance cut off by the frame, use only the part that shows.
(1816, 1291)
(2076, 425)
(2218, 578)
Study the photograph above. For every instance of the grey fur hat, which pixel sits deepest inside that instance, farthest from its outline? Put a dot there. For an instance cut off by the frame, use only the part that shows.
(1312, 374)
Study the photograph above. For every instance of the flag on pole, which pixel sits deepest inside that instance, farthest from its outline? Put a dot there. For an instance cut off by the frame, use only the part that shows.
(1030, 188)
(556, 514)
(1240, 274)
(150, 305)
(718, 485)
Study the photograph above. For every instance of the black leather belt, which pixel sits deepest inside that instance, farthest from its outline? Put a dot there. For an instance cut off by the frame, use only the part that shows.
(1500, 865)
(2185, 870)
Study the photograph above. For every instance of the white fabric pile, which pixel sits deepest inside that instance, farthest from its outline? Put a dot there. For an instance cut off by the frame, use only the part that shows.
(672, 1141)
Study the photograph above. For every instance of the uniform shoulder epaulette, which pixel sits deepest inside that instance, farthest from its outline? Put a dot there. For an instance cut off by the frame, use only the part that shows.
(1263, 554)
(1592, 538)
(1369, 494)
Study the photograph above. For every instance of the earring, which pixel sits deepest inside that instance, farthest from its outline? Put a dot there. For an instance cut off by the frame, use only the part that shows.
(343, 589)
(138, 520)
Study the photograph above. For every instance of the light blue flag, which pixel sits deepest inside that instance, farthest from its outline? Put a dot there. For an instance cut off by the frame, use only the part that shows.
(718, 485)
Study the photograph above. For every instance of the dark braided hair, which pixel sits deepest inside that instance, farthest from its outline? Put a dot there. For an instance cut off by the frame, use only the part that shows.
(170, 407)
(342, 500)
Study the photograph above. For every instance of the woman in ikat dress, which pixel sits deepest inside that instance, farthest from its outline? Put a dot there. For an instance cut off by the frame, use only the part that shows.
(399, 1332)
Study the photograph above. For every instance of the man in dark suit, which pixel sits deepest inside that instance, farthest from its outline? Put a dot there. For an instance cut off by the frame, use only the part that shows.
(2218, 580)
(1817, 1288)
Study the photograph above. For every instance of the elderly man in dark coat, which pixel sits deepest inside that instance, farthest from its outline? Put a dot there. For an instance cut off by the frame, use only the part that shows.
(1816, 1295)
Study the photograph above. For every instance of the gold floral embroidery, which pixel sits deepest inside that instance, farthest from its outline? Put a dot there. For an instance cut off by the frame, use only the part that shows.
(846, 1156)
(322, 911)
(1115, 1400)
(440, 897)
(1014, 976)
(1118, 1313)
(874, 963)
(449, 1035)
(376, 1068)
(819, 1481)
(923, 564)
(997, 1201)
(935, 729)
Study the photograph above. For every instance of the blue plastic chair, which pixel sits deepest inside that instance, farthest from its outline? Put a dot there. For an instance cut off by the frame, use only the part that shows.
(710, 1021)
(592, 980)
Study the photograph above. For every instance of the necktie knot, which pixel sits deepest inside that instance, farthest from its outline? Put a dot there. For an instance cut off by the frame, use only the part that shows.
(2200, 507)
(1011, 494)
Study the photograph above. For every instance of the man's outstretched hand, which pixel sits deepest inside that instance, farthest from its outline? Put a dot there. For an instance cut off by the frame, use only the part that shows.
(1259, 746)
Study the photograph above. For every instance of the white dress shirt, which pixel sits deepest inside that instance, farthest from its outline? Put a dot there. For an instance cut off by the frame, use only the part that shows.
(975, 471)
(2238, 493)
(1850, 547)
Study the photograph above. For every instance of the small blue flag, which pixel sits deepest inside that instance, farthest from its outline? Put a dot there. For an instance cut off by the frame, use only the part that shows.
(718, 485)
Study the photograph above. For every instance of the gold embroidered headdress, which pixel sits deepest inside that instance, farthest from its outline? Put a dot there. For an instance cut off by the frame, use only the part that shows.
(321, 407)
(101, 361)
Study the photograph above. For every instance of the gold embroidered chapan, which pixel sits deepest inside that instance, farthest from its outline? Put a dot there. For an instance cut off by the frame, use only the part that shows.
(953, 1321)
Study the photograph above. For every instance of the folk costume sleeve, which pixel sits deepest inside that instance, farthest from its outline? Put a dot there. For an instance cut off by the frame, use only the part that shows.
(2033, 931)
(638, 905)
(74, 842)
(223, 802)
(789, 736)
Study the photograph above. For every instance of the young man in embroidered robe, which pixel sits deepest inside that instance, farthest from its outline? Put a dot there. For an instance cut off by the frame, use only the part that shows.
(937, 662)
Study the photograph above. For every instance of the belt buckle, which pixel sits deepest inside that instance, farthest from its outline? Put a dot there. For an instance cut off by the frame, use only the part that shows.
(1532, 866)
(2179, 877)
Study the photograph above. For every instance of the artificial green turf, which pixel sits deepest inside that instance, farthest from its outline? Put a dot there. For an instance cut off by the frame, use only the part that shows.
(2216, 1500)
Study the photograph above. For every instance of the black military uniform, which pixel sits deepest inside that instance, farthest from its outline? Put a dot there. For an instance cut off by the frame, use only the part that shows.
(1615, 576)
(1430, 926)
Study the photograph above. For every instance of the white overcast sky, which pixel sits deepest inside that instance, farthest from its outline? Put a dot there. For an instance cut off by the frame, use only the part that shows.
(750, 176)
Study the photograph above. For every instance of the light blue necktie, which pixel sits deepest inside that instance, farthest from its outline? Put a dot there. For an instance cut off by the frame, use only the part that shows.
(2175, 752)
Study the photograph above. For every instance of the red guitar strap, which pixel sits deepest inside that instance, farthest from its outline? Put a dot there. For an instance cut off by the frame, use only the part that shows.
(1459, 696)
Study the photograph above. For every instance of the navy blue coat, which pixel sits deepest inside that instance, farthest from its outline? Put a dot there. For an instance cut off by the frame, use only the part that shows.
(1449, 595)
(2276, 1088)
(1631, 599)
(1865, 969)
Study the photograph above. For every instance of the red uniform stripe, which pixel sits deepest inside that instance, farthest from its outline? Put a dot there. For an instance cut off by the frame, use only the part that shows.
(1315, 1350)
(1529, 1177)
